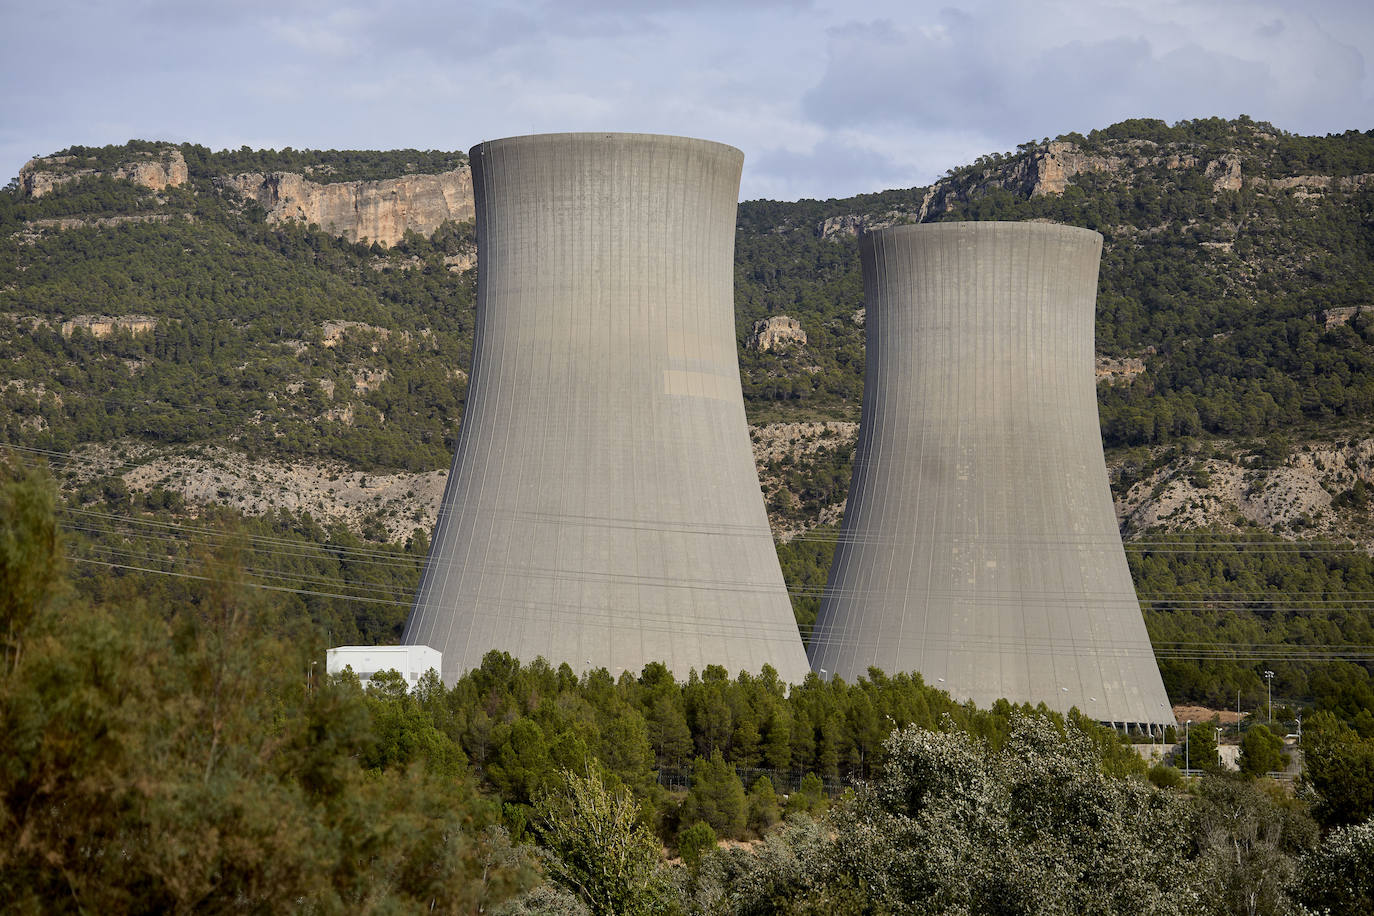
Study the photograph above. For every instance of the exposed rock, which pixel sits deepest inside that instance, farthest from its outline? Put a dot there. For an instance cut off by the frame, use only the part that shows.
(107, 325)
(844, 224)
(855, 223)
(1276, 498)
(798, 442)
(776, 332)
(1342, 315)
(342, 415)
(329, 492)
(156, 170)
(1118, 371)
(365, 379)
(1225, 173)
(1304, 186)
(332, 333)
(795, 440)
(104, 222)
(859, 317)
(379, 211)
(1295, 498)
(1051, 168)
(1043, 171)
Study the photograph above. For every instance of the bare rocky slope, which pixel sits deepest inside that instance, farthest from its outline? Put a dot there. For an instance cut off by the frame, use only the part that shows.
(381, 211)
(164, 168)
(378, 211)
(1305, 495)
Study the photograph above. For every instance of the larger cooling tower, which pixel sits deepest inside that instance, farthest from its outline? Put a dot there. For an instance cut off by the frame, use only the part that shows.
(980, 546)
(604, 509)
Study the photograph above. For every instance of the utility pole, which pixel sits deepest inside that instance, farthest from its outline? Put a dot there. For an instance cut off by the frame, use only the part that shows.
(1187, 747)
(1218, 731)
(1269, 677)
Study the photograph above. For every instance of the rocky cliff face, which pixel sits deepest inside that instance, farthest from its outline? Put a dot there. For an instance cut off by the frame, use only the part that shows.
(1050, 168)
(108, 325)
(1313, 492)
(775, 332)
(856, 223)
(157, 170)
(379, 211)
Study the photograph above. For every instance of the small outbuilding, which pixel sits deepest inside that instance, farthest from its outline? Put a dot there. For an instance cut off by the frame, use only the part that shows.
(366, 661)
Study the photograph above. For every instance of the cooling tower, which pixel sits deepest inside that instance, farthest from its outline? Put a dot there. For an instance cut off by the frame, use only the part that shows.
(979, 545)
(603, 508)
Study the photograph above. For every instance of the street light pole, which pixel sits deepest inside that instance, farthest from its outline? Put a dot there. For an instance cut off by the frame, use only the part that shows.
(1269, 677)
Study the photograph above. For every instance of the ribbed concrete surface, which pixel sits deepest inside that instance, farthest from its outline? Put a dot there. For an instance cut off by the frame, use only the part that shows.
(979, 545)
(603, 507)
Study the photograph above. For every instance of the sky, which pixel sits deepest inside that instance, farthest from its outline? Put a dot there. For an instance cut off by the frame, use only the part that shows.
(826, 98)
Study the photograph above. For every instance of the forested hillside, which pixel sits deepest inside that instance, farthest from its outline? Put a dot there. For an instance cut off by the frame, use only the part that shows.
(1236, 357)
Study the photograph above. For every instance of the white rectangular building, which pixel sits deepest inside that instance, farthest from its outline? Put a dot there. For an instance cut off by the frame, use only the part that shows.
(411, 661)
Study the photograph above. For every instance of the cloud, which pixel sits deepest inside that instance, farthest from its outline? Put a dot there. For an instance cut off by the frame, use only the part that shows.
(783, 174)
(1006, 69)
(822, 103)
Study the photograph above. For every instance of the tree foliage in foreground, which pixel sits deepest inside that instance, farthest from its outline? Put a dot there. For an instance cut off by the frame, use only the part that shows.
(955, 827)
(178, 762)
(1338, 877)
(597, 847)
(1339, 768)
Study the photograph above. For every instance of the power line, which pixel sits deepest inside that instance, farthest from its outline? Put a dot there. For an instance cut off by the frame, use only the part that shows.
(173, 531)
(608, 619)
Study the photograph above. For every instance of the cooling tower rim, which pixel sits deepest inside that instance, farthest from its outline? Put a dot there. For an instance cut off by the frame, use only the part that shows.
(610, 139)
(997, 228)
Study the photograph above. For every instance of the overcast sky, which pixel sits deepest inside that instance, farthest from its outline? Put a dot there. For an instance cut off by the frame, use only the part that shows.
(827, 98)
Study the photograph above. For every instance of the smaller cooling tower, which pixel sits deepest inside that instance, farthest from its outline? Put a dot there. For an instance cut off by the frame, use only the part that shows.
(604, 509)
(979, 545)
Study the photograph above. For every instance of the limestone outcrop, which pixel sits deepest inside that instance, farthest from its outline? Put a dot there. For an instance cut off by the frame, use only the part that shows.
(1048, 171)
(855, 223)
(379, 211)
(164, 168)
(775, 332)
(1050, 168)
(108, 325)
(1225, 173)
(1118, 371)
